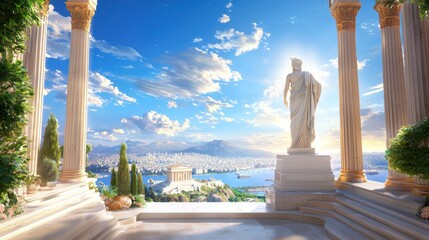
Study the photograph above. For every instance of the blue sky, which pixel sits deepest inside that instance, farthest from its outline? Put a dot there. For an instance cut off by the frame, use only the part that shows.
(199, 70)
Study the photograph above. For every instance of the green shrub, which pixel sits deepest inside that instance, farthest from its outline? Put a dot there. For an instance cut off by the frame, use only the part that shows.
(134, 178)
(409, 151)
(114, 179)
(123, 172)
(50, 146)
(140, 184)
(49, 170)
(108, 192)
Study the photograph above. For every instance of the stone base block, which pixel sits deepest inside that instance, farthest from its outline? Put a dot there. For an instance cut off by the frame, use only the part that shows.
(281, 200)
(304, 173)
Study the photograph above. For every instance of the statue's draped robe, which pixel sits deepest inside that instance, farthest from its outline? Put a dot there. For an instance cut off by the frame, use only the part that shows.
(304, 97)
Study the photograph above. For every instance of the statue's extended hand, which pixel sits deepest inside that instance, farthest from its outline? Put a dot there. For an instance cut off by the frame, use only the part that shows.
(285, 102)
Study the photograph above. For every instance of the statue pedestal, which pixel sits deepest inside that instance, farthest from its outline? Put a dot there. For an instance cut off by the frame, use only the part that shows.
(300, 176)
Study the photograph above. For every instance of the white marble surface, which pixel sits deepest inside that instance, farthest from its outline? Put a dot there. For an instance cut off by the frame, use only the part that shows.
(224, 229)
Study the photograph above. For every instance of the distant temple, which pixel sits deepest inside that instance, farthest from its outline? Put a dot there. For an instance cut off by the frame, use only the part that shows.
(178, 173)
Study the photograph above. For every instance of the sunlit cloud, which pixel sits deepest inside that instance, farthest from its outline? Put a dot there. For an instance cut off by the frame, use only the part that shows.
(156, 123)
(191, 73)
(224, 19)
(237, 41)
(375, 89)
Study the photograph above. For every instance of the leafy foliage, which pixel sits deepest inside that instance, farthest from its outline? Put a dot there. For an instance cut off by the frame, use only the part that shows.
(123, 172)
(15, 17)
(108, 192)
(15, 92)
(49, 170)
(50, 146)
(409, 151)
(134, 178)
(141, 189)
(114, 179)
(423, 5)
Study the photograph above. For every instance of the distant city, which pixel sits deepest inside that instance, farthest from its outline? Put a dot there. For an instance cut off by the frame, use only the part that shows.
(215, 156)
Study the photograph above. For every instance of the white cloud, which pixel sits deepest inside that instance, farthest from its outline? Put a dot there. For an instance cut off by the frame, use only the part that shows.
(362, 64)
(370, 26)
(121, 52)
(189, 74)
(334, 63)
(238, 41)
(375, 89)
(100, 84)
(58, 44)
(293, 20)
(155, 123)
(197, 40)
(105, 136)
(56, 83)
(227, 119)
(58, 36)
(172, 104)
(224, 19)
(128, 67)
(118, 130)
(229, 5)
(214, 105)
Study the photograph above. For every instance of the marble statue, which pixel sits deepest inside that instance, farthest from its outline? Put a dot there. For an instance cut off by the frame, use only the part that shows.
(304, 96)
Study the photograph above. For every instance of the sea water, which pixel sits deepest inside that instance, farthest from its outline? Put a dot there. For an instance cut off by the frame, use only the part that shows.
(258, 177)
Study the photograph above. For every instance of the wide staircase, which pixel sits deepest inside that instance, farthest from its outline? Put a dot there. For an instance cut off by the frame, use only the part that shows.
(68, 211)
(352, 216)
(72, 211)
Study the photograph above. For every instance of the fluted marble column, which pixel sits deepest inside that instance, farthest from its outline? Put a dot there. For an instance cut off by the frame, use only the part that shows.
(34, 61)
(393, 81)
(73, 169)
(345, 13)
(413, 50)
(421, 187)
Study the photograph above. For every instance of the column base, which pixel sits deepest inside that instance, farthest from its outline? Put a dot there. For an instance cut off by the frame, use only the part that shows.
(352, 176)
(73, 176)
(420, 187)
(403, 184)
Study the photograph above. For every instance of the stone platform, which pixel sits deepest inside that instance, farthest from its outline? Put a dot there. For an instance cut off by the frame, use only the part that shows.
(300, 177)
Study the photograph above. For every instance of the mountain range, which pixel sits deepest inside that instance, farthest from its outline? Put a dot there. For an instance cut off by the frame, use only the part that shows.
(218, 148)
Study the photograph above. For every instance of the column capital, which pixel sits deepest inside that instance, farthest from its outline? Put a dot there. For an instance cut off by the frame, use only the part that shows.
(345, 15)
(45, 8)
(81, 14)
(389, 16)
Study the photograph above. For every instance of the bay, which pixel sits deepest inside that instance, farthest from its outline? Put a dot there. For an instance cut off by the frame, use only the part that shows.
(259, 177)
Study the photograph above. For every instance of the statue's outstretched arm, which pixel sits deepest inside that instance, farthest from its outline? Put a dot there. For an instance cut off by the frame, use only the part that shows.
(286, 90)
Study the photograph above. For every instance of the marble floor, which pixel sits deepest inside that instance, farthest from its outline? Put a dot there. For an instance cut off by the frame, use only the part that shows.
(224, 229)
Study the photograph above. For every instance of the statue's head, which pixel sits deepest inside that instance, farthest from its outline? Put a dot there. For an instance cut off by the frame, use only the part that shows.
(296, 64)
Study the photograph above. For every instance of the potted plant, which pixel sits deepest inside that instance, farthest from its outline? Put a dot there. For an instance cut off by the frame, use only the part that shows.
(33, 183)
(49, 172)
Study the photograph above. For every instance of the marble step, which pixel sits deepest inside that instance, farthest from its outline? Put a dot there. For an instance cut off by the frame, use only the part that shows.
(405, 226)
(46, 193)
(367, 222)
(111, 231)
(71, 226)
(339, 231)
(409, 218)
(45, 214)
(374, 192)
(358, 230)
(103, 223)
(293, 215)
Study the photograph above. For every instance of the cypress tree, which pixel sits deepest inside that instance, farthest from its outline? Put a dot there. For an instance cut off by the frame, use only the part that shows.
(134, 178)
(140, 184)
(123, 172)
(114, 179)
(146, 191)
(50, 147)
